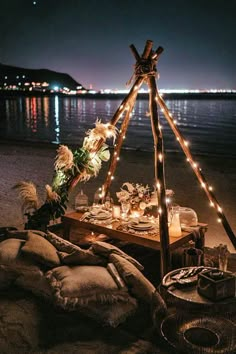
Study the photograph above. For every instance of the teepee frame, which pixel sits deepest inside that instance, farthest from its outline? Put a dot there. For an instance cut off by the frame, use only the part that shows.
(145, 71)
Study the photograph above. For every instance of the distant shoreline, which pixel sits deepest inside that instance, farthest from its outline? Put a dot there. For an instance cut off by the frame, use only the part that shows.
(144, 96)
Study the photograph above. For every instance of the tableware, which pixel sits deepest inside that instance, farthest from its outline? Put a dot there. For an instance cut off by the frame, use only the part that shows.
(141, 226)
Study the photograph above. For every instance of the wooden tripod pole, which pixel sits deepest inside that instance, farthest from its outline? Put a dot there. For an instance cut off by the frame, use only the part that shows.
(159, 177)
(201, 178)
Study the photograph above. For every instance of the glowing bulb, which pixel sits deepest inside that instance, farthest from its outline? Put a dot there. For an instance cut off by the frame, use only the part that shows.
(187, 159)
(121, 106)
(170, 115)
(123, 137)
(158, 185)
(177, 138)
(203, 185)
(160, 157)
(219, 209)
(115, 153)
(195, 165)
(159, 210)
(219, 220)
(210, 188)
(212, 204)
(118, 158)
(109, 173)
(162, 110)
(175, 121)
(186, 143)
(112, 177)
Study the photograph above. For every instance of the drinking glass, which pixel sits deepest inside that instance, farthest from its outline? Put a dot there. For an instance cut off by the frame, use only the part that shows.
(125, 207)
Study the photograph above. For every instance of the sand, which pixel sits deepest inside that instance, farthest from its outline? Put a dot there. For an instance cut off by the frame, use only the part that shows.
(34, 162)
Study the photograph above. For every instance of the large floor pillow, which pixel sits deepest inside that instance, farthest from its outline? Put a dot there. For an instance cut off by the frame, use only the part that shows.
(78, 286)
(19, 325)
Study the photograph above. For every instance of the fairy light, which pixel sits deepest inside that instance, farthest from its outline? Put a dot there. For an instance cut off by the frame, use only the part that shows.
(118, 158)
(170, 115)
(210, 188)
(203, 185)
(219, 209)
(212, 204)
(160, 127)
(219, 220)
(187, 160)
(115, 153)
(195, 165)
(186, 143)
(177, 138)
(175, 121)
(162, 109)
(123, 137)
(160, 156)
(112, 177)
(156, 98)
(159, 210)
(121, 106)
(158, 185)
(109, 173)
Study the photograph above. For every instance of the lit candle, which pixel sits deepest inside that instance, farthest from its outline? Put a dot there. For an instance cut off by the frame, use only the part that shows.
(175, 228)
(116, 211)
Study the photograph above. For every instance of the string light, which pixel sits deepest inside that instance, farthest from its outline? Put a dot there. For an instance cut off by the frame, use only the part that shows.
(219, 220)
(118, 158)
(175, 121)
(212, 204)
(109, 173)
(186, 143)
(210, 188)
(203, 185)
(121, 106)
(159, 210)
(112, 177)
(219, 209)
(160, 156)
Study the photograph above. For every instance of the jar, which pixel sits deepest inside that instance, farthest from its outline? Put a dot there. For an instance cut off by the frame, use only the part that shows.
(188, 217)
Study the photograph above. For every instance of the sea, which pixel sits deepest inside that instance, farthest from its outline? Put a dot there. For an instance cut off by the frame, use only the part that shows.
(209, 125)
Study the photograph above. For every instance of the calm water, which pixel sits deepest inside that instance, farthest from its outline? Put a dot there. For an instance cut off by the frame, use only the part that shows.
(209, 125)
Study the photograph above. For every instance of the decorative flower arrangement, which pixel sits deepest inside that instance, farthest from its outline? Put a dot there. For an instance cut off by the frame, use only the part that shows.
(70, 168)
(136, 194)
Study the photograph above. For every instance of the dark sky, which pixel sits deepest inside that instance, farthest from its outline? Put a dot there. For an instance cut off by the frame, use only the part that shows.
(89, 39)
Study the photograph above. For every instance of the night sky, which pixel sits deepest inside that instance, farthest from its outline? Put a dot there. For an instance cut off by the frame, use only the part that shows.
(89, 39)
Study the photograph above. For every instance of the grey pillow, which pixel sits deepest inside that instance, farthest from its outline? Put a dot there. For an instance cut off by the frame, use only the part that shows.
(105, 249)
(41, 250)
(81, 257)
(138, 284)
(80, 285)
(111, 314)
(61, 244)
(9, 250)
(12, 263)
(23, 234)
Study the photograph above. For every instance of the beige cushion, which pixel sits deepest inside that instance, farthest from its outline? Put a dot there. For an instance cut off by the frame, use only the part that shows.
(79, 285)
(135, 280)
(105, 249)
(41, 250)
(81, 257)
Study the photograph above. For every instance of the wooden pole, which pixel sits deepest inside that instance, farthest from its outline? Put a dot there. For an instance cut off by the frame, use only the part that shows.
(201, 178)
(159, 177)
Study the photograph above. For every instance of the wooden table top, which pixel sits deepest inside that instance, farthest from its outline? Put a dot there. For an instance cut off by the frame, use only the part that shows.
(143, 239)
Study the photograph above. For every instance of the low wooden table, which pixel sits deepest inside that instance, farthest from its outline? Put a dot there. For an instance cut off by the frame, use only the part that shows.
(151, 241)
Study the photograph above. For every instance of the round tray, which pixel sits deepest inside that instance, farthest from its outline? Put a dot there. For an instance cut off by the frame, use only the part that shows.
(196, 334)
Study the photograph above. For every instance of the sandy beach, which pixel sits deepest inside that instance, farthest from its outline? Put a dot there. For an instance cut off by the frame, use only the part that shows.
(34, 162)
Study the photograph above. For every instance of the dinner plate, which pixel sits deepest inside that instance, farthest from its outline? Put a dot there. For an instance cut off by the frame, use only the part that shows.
(102, 216)
(142, 226)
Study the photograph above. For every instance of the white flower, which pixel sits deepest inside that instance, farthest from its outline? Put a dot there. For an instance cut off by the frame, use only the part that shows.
(64, 158)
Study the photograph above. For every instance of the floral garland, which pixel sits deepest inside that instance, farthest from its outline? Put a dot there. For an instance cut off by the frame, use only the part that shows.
(70, 168)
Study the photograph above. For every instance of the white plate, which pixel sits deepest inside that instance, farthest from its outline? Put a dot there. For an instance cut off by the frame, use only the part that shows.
(102, 216)
(141, 227)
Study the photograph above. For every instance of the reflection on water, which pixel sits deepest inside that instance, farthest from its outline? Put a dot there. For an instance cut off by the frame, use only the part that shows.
(208, 124)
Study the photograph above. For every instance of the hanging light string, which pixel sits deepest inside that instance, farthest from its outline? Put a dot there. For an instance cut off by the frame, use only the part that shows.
(117, 148)
(197, 170)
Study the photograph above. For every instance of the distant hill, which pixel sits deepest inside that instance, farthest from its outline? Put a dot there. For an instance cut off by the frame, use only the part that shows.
(21, 77)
